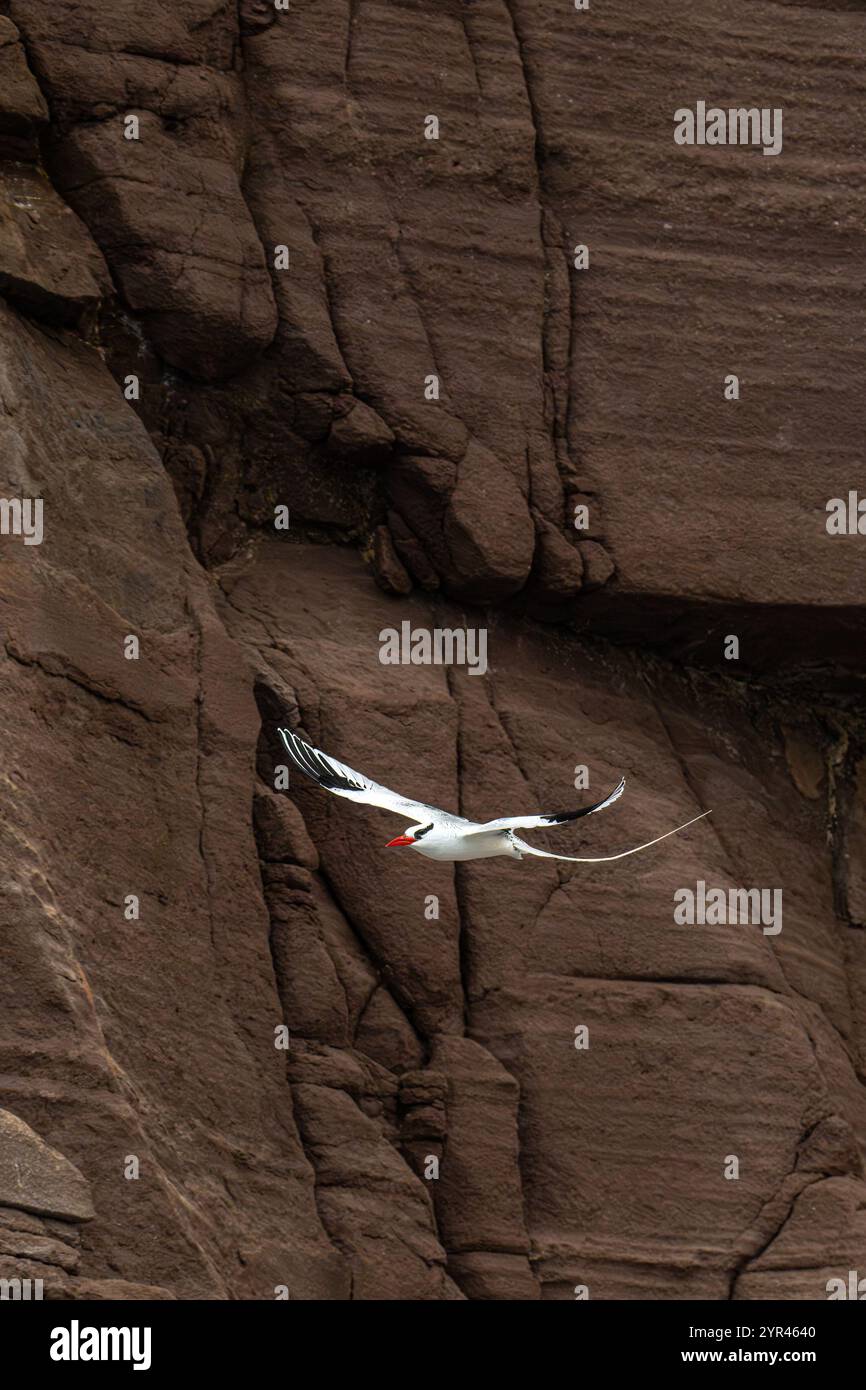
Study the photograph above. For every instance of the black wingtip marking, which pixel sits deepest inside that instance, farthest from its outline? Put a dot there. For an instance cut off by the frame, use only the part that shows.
(560, 817)
(299, 752)
(315, 765)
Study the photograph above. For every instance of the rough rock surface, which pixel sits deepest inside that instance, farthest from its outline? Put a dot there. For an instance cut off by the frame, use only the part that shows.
(285, 373)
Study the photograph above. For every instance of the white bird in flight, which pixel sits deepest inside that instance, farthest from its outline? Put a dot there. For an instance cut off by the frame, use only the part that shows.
(439, 834)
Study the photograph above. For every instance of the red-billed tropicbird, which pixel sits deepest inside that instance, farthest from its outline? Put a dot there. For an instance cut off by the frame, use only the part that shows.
(439, 834)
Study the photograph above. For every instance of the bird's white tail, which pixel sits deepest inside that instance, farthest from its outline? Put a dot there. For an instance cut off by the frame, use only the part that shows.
(606, 858)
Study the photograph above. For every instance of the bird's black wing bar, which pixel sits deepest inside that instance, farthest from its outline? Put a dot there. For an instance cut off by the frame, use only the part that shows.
(314, 763)
(554, 818)
(560, 817)
(336, 777)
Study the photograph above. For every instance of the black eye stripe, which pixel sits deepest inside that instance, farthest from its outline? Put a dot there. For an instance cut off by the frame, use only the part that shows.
(419, 833)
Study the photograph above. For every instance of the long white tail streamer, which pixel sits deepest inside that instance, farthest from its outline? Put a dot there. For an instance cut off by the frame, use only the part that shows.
(606, 858)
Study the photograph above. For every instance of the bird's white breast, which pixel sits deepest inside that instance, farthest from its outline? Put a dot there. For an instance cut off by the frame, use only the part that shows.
(460, 848)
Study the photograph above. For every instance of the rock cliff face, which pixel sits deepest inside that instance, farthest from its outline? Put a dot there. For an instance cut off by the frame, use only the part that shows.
(245, 1052)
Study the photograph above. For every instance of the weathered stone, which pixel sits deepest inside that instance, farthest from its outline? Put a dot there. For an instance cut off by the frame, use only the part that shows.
(280, 830)
(557, 569)
(361, 435)
(305, 286)
(411, 552)
(23, 111)
(49, 264)
(390, 573)
(488, 1274)
(38, 1248)
(598, 566)
(37, 1178)
(108, 1290)
(179, 240)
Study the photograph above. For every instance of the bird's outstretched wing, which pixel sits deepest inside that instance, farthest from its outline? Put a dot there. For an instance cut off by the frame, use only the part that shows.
(344, 781)
(603, 858)
(555, 818)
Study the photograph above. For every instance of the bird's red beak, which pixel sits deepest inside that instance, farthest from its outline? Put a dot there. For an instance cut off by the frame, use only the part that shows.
(400, 840)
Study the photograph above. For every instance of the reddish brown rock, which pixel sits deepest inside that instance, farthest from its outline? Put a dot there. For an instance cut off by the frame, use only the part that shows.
(347, 1071)
(23, 110)
(280, 831)
(38, 1248)
(558, 568)
(817, 1246)
(370, 1202)
(601, 923)
(384, 1032)
(113, 1045)
(49, 265)
(706, 499)
(398, 244)
(489, 1275)
(36, 1178)
(110, 1290)
(852, 866)
(412, 553)
(807, 761)
(390, 572)
(360, 434)
(199, 282)
(481, 1128)
(487, 529)
(598, 566)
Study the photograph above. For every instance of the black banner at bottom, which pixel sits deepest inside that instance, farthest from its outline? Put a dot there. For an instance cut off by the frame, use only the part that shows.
(162, 1339)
